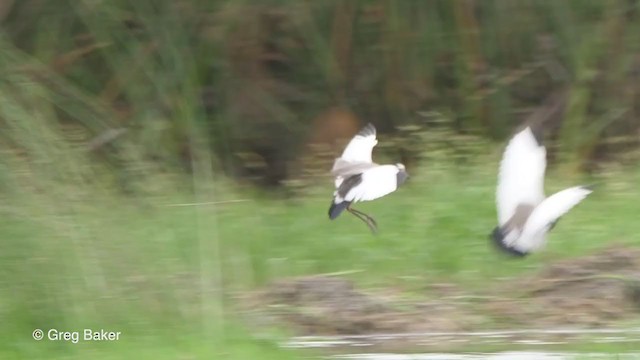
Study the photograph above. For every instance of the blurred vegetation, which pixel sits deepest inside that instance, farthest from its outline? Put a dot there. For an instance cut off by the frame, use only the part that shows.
(110, 110)
(263, 82)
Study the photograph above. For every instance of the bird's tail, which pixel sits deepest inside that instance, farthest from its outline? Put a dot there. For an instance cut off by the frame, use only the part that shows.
(337, 208)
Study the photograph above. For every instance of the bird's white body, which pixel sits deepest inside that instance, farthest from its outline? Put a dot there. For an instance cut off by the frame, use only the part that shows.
(376, 182)
(525, 216)
(358, 178)
(521, 178)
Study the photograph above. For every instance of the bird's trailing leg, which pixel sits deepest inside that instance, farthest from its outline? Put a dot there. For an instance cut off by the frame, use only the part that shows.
(371, 222)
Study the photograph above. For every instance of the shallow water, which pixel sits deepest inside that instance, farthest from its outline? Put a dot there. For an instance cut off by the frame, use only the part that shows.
(443, 345)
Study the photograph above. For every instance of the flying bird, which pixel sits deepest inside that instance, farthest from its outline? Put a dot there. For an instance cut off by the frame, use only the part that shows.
(525, 216)
(358, 178)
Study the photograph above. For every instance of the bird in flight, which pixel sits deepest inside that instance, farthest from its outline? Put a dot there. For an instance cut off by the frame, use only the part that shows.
(525, 216)
(358, 178)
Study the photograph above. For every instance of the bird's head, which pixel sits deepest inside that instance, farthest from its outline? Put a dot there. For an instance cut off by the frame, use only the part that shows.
(402, 175)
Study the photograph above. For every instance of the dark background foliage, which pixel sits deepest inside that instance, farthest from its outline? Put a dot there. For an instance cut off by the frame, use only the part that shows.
(270, 83)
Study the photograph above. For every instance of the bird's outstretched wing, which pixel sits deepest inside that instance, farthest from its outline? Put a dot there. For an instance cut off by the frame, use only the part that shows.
(521, 177)
(551, 209)
(374, 183)
(349, 168)
(360, 147)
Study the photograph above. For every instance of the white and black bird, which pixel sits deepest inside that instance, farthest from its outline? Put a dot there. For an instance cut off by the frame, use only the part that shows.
(525, 215)
(358, 178)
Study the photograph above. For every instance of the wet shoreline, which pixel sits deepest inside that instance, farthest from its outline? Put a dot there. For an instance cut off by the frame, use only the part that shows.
(576, 303)
(451, 341)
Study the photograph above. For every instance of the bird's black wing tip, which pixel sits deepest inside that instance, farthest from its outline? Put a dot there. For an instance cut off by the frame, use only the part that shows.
(538, 133)
(367, 130)
(497, 237)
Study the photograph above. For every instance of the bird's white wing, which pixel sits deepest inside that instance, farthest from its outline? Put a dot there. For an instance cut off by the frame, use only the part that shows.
(376, 182)
(521, 177)
(360, 147)
(343, 169)
(348, 168)
(549, 211)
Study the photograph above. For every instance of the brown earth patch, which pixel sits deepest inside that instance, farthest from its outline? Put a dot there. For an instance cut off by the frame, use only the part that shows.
(592, 291)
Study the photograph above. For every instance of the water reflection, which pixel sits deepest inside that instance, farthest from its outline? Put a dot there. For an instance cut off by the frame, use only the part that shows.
(389, 346)
(522, 355)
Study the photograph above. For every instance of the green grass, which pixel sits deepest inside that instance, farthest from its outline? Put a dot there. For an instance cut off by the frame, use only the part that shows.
(436, 226)
(165, 275)
(176, 346)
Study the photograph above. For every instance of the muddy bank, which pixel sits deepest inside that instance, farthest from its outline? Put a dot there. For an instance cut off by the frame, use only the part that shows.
(593, 291)
(598, 290)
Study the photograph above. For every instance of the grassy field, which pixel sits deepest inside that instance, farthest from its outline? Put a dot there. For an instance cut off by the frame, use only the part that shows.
(106, 238)
(163, 272)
